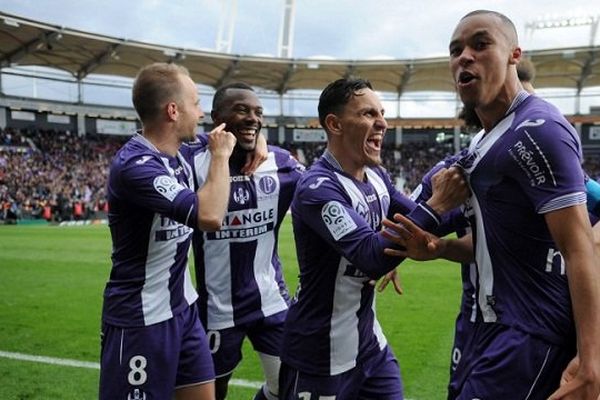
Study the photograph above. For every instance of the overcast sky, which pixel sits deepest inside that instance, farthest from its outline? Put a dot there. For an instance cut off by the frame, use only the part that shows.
(341, 29)
(344, 29)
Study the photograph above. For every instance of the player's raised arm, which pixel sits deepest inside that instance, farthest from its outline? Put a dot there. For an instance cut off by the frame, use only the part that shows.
(213, 196)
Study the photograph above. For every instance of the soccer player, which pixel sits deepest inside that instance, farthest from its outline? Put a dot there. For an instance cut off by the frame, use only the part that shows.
(238, 271)
(333, 345)
(458, 223)
(153, 344)
(538, 279)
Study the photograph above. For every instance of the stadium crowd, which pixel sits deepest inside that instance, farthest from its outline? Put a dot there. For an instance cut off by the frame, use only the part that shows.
(54, 175)
(59, 176)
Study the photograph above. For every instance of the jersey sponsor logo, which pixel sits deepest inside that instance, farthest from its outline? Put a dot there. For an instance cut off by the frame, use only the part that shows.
(243, 233)
(241, 195)
(337, 220)
(267, 184)
(247, 224)
(530, 122)
(318, 183)
(249, 217)
(167, 186)
(143, 160)
(239, 178)
(170, 234)
(526, 159)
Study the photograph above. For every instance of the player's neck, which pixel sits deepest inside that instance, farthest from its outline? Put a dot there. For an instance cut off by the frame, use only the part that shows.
(340, 160)
(165, 143)
(238, 157)
(491, 114)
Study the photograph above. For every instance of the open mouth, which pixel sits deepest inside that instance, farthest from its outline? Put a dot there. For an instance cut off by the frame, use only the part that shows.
(248, 133)
(465, 77)
(374, 142)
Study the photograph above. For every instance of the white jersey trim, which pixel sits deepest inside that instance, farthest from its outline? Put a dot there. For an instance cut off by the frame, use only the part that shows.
(480, 145)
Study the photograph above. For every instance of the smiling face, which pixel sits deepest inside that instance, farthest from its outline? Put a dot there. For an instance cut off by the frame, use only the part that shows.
(242, 112)
(483, 50)
(358, 132)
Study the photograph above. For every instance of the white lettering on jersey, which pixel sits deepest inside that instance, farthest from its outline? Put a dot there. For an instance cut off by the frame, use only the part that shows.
(526, 160)
(530, 122)
(337, 219)
(318, 182)
(239, 178)
(552, 254)
(167, 186)
(248, 217)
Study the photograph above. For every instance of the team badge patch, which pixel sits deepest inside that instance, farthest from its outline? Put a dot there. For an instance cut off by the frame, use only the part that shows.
(241, 195)
(337, 220)
(167, 186)
(267, 184)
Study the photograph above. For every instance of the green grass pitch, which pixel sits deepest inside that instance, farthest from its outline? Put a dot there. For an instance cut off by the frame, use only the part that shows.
(51, 283)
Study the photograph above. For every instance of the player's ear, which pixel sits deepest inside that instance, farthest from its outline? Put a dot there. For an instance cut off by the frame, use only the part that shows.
(332, 124)
(172, 111)
(515, 56)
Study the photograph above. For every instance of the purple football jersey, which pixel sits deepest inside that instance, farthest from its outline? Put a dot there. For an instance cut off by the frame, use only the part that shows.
(238, 271)
(152, 212)
(528, 165)
(331, 325)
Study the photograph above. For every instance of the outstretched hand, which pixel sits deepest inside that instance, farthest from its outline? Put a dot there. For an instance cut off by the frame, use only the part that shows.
(394, 277)
(418, 244)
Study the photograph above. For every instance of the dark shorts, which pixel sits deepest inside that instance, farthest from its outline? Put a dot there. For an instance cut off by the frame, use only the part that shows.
(152, 361)
(500, 362)
(226, 344)
(462, 332)
(377, 378)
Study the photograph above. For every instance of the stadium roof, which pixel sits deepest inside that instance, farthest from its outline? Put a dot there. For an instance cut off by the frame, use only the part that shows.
(25, 42)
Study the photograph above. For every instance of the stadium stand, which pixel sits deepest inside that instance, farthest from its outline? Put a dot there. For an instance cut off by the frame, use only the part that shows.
(53, 175)
(58, 176)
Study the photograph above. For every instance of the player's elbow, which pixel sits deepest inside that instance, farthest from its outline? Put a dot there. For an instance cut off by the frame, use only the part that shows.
(210, 222)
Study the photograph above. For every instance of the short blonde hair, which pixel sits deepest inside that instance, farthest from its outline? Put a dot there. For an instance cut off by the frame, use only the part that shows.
(155, 85)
